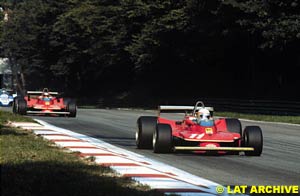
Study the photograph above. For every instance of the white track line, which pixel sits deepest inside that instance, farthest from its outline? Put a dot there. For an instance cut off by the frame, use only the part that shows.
(128, 164)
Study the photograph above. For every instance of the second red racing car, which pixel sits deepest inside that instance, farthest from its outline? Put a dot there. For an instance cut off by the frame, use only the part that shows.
(44, 103)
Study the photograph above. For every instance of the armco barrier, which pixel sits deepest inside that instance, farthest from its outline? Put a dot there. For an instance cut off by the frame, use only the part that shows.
(256, 106)
(273, 107)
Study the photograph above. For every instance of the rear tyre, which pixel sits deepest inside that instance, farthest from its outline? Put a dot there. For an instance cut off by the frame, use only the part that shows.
(253, 138)
(21, 106)
(146, 127)
(66, 101)
(162, 139)
(234, 125)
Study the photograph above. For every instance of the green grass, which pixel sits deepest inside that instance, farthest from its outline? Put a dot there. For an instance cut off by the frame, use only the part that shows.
(9, 116)
(33, 166)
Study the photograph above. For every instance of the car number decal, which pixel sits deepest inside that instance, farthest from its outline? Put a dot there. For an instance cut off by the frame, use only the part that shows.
(196, 136)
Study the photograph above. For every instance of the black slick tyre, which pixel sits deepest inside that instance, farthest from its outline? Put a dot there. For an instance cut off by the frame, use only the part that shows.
(72, 108)
(253, 138)
(234, 125)
(21, 106)
(146, 126)
(162, 139)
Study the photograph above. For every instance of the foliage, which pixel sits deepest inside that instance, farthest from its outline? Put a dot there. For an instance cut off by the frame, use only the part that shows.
(277, 22)
(73, 45)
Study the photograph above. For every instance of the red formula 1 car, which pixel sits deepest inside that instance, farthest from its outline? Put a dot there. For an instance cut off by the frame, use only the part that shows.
(44, 103)
(196, 133)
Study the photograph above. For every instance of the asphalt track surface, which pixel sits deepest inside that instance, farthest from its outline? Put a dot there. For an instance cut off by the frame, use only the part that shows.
(279, 163)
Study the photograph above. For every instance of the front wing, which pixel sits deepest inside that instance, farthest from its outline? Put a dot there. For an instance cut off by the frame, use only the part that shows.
(194, 148)
(46, 112)
(209, 144)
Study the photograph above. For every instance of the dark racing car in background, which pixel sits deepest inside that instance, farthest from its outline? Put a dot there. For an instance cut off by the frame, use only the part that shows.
(44, 103)
(198, 131)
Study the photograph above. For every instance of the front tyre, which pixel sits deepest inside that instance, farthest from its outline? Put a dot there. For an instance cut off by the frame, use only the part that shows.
(162, 139)
(253, 138)
(72, 108)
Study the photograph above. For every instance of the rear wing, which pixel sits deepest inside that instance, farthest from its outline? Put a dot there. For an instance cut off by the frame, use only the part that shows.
(181, 109)
(40, 92)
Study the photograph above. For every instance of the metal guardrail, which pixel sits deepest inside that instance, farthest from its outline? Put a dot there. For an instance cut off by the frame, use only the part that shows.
(272, 107)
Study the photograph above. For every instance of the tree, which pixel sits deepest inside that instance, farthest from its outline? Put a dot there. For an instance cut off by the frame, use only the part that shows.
(272, 28)
(25, 40)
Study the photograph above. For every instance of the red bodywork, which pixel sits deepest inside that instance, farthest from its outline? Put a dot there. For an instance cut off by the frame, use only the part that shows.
(191, 133)
(38, 105)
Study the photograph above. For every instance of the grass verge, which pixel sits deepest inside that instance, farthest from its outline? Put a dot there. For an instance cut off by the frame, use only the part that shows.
(32, 166)
(260, 117)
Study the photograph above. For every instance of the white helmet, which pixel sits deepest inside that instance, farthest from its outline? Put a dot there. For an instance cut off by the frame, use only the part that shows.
(203, 114)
